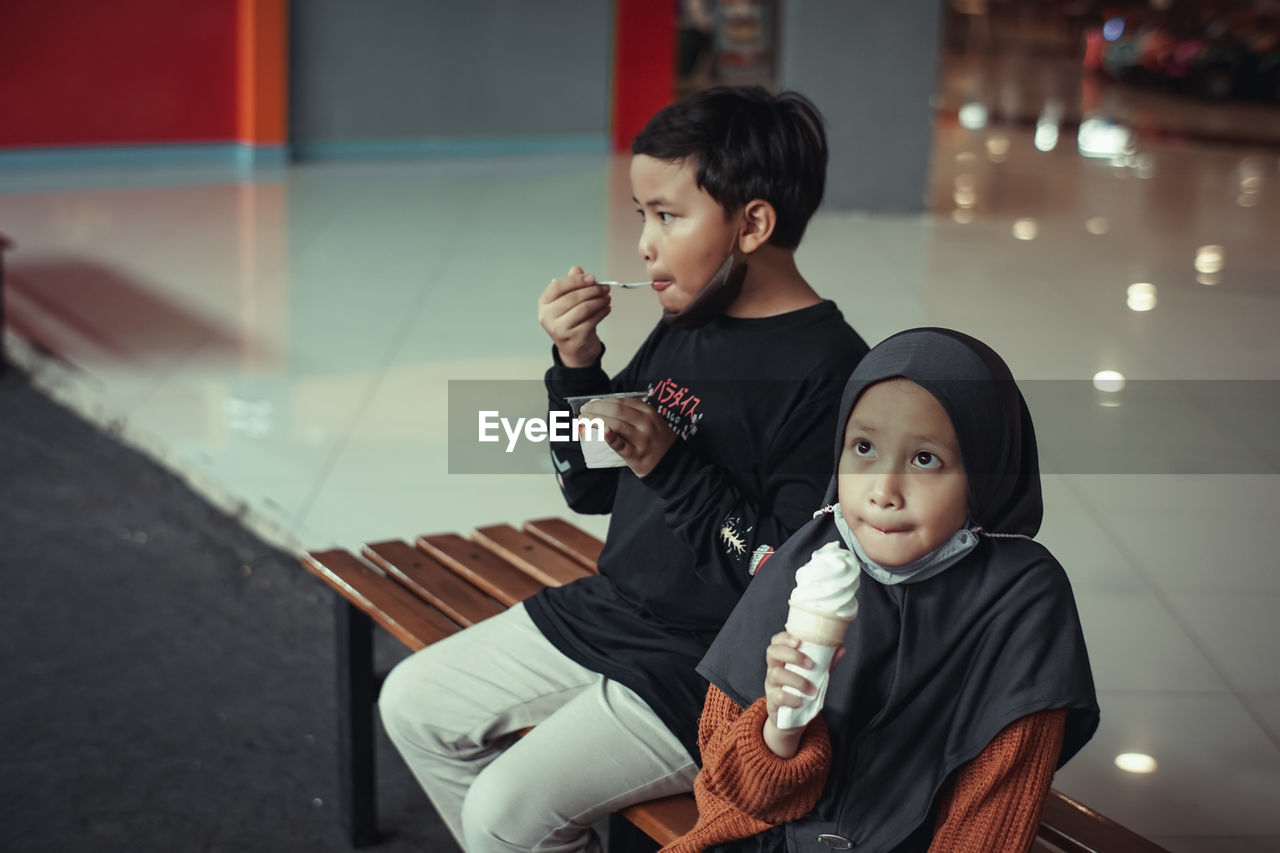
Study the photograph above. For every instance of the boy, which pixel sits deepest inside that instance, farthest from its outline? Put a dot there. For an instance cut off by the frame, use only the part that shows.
(725, 458)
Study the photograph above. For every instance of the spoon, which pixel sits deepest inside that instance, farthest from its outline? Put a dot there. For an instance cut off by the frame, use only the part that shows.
(627, 284)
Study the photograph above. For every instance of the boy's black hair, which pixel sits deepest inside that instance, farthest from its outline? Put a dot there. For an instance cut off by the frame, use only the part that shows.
(747, 144)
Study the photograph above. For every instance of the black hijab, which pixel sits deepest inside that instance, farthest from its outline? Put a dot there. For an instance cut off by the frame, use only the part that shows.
(933, 670)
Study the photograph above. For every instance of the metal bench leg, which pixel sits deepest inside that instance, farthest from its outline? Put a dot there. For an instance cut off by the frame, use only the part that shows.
(357, 692)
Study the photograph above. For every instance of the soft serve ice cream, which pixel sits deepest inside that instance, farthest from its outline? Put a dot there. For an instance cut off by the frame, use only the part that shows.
(823, 604)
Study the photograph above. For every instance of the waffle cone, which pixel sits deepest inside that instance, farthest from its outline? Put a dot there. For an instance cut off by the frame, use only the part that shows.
(816, 626)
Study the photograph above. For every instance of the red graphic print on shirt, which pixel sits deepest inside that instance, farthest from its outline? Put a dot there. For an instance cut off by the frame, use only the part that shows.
(678, 406)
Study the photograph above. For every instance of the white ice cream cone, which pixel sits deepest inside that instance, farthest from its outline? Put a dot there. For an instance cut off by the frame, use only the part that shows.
(817, 626)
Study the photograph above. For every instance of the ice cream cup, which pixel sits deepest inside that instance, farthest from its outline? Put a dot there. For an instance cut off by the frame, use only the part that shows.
(596, 453)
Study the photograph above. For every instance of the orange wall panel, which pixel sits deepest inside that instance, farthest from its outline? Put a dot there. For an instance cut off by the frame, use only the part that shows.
(262, 78)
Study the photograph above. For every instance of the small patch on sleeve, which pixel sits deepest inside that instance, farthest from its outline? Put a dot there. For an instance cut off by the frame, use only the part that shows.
(758, 556)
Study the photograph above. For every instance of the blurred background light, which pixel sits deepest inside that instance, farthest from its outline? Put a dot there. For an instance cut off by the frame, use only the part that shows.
(1110, 381)
(973, 116)
(1046, 136)
(1101, 137)
(997, 148)
(1210, 259)
(1141, 296)
(1135, 762)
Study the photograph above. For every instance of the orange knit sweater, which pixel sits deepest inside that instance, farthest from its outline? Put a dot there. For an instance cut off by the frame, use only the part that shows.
(744, 788)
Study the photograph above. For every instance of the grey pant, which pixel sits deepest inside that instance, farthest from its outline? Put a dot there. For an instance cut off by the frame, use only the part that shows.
(454, 709)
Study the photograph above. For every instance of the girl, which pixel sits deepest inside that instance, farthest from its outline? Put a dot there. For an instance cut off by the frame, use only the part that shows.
(964, 680)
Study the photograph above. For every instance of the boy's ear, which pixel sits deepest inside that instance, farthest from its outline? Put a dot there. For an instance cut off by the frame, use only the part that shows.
(758, 221)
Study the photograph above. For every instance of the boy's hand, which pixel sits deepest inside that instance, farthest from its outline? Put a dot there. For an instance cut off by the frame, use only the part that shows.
(633, 429)
(570, 309)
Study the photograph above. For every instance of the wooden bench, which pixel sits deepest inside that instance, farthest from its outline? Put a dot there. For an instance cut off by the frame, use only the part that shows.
(426, 591)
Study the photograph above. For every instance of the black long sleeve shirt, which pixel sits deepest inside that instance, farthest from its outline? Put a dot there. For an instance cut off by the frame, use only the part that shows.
(753, 403)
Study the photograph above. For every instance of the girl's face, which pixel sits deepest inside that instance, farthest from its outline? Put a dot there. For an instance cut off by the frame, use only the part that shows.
(902, 486)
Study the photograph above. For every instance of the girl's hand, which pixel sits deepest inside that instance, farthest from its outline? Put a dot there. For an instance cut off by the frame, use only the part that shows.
(785, 649)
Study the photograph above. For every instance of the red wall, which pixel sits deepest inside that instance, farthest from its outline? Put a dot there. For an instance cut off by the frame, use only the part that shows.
(643, 65)
(88, 72)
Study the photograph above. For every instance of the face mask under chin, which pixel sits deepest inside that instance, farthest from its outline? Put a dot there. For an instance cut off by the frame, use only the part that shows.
(713, 299)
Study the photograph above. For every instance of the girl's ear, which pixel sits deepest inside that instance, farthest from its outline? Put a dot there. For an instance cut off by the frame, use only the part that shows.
(758, 221)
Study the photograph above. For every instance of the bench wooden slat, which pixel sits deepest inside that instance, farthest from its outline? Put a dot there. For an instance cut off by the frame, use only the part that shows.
(409, 619)
(1066, 826)
(1075, 828)
(424, 575)
(541, 561)
(666, 819)
(481, 567)
(567, 538)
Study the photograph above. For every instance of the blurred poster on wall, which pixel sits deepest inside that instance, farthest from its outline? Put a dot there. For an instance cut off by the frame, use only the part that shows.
(744, 40)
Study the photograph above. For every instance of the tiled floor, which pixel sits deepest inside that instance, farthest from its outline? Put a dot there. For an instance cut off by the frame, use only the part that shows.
(286, 340)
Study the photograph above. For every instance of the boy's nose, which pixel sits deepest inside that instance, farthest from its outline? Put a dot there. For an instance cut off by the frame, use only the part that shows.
(645, 245)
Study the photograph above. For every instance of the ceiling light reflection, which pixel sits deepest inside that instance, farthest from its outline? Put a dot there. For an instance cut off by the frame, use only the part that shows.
(1135, 762)
(1210, 259)
(1026, 229)
(1102, 137)
(253, 418)
(1110, 381)
(1141, 296)
(997, 148)
(965, 197)
(1046, 136)
(1209, 279)
(1251, 167)
(1097, 225)
(963, 217)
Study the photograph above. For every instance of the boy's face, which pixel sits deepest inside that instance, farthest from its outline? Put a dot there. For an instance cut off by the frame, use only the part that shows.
(902, 485)
(685, 236)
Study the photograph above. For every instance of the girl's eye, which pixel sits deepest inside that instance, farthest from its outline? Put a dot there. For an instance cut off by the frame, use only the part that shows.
(925, 459)
(641, 212)
(862, 447)
(667, 218)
